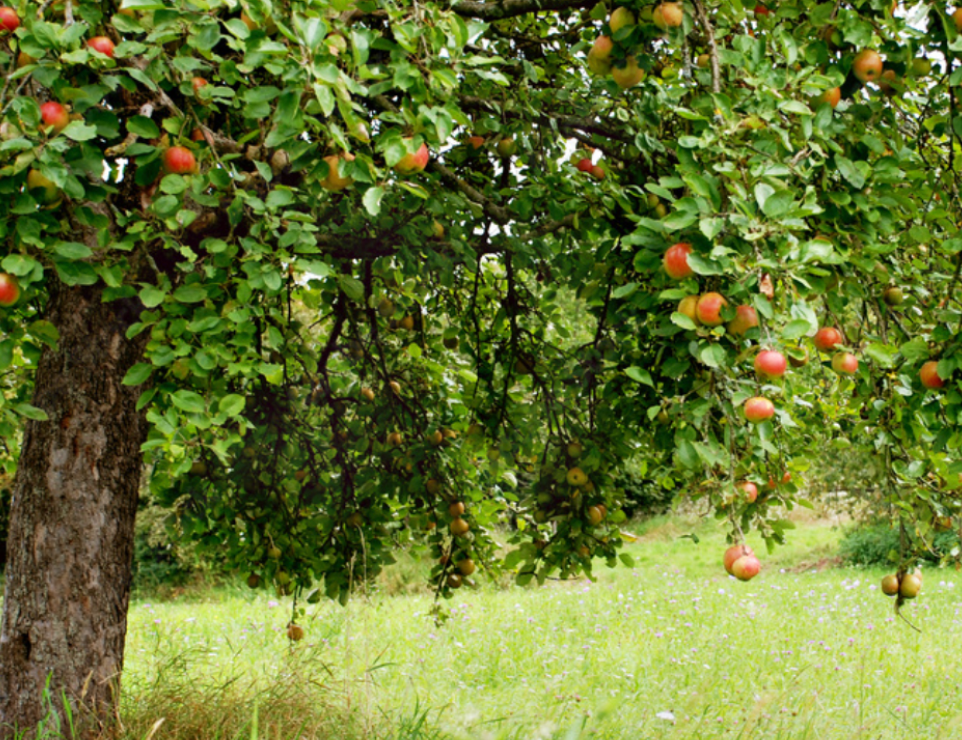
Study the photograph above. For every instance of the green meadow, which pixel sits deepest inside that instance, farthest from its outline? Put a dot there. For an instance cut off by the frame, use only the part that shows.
(673, 648)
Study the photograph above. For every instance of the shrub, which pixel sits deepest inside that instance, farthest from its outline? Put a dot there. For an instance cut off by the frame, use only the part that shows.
(877, 544)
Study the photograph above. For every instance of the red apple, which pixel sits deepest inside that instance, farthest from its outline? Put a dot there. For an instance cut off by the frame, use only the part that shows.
(770, 364)
(929, 375)
(845, 363)
(411, 164)
(734, 552)
(475, 142)
(54, 114)
(745, 319)
(197, 83)
(585, 164)
(333, 181)
(676, 261)
(9, 290)
(746, 567)
(102, 44)
(668, 15)
(833, 97)
(762, 10)
(758, 409)
(709, 308)
(867, 66)
(749, 489)
(597, 172)
(827, 338)
(9, 20)
(179, 160)
(599, 56)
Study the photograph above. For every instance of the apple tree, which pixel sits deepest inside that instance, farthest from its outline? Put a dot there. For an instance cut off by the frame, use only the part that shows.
(313, 267)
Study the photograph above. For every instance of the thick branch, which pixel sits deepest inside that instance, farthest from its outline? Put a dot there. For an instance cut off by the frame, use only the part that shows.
(712, 46)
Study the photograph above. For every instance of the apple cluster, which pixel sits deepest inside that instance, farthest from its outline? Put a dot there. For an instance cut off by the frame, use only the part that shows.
(627, 74)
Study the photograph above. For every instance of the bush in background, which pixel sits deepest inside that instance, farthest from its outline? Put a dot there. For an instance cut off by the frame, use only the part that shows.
(877, 544)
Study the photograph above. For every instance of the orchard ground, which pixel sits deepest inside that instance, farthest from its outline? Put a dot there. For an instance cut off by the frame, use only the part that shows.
(670, 649)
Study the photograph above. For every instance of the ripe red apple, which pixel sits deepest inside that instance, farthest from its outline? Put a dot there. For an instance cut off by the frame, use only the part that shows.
(9, 20)
(929, 375)
(827, 338)
(833, 97)
(709, 308)
(867, 66)
(758, 409)
(746, 567)
(745, 318)
(845, 363)
(585, 164)
(197, 83)
(9, 290)
(734, 552)
(688, 306)
(749, 489)
(957, 18)
(411, 164)
(668, 15)
(179, 160)
(762, 10)
(597, 172)
(770, 364)
(676, 261)
(475, 142)
(56, 115)
(102, 44)
(333, 181)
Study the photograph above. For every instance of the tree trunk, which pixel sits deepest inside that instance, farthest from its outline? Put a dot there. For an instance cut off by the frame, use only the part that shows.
(71, 536)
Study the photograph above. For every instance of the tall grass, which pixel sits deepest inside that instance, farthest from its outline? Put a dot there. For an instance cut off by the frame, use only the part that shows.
(670, 649)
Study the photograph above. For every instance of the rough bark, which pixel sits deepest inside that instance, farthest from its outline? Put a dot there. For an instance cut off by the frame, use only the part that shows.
(71, 536)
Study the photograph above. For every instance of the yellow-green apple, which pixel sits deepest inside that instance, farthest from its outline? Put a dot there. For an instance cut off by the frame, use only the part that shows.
(620, 18)
(333, 180)
(688, 306)
(867, 65)
(668, 15)
(703, 61)
(576, 477)
(507, 147)
(922, 66)
(910, 585)
(745, 318)
(43, 188)
(827, 338)
(770, 364)
(758, 409)
(929, 375)
(832, 97)
(599, 56)
(890, 584)
(845, 363)
(629, 75)
(892, 296)
(676, 261)
(709, 308)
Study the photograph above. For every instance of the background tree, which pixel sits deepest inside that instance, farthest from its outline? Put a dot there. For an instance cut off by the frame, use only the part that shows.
(195, 191)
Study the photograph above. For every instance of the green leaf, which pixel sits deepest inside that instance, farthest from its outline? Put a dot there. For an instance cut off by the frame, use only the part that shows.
(190, 294)
(151, 297)
(189, 401)
(352, 287)
(76, 273)
(915, 350)
(639, 375)
(30, 412)
(143, 127)
(232, 404)
(372, 200)
(795, 329)
(882, 354)
(714, 355)
(138, 373)
(72, 250)
(850, 172)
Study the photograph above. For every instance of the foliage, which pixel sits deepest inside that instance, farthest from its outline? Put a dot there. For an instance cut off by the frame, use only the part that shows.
(328, 372)
(878, 544)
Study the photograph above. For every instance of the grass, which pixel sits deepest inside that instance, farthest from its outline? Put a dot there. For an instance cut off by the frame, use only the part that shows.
(670, 649)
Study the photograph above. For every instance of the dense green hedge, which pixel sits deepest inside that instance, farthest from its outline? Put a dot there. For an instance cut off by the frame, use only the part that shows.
(877, 544)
